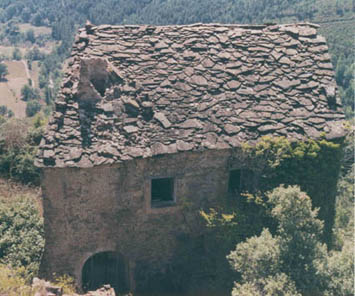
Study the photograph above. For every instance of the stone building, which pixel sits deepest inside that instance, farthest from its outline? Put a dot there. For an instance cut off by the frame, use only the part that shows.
(147, 121)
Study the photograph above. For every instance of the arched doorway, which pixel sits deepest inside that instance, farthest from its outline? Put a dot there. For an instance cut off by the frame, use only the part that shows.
(104, 268)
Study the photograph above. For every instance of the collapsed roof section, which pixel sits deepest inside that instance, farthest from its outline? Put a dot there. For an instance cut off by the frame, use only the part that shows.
(141, 91)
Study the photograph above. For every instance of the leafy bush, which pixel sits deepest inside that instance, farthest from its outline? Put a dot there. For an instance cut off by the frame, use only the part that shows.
(12, 283)
(3, 70)
(35, 54)
(293, 260)
(21, 234)
(279, 284)
(18, 146)
(30, 36)
(32, 108)
(299, 232)
(28, 93)
(16, 54)
(258, 257)
(314, 165)
(66, 282)
(4, 111)
(344, 218)
(340, 269)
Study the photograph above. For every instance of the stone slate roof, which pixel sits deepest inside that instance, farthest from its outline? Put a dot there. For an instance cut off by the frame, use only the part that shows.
(141, 91)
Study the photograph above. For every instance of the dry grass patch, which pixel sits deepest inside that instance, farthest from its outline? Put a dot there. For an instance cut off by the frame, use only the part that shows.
(10, 190)
(16, 70)
(49, 46)
(8, 50)
(35, 73)
(16, 79)
(10, 90)
(9, 99)
(41, 30)
(12, 283)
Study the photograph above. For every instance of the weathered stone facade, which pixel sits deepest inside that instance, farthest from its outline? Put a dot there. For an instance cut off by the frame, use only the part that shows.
(108, 208)
(145, 102)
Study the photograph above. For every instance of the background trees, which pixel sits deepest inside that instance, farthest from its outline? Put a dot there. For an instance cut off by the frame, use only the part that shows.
(3, 71)
(16, 54)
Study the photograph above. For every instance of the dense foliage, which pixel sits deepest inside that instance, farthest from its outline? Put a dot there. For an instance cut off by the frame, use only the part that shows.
(32, 108)
(344, 219)
(46, 12)
(21, 234)
(314, 165)
(19, 139)
(274, 161)
(28, 93)
(293, 261)
(3, 71)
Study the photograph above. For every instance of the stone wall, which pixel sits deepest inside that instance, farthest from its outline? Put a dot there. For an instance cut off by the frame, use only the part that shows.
(107, 208)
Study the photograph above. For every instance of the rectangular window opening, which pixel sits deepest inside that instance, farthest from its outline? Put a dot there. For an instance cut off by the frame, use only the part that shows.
(162, 192)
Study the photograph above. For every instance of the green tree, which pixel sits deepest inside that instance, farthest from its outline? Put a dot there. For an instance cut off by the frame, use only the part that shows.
(16, 54)
(29, 93)
(48, 95)
(10, 113)
(34, 54)
(30, 36)
(293, 261)
(37, 20)
(3, 71)
(18, 146)
(32, 108)
(344, 218)
(3, 110)
(339, 268)
(340, 70)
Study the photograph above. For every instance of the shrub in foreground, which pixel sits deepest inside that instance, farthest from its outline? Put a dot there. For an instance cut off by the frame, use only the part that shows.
(12, 283)
(293, 261)
(21, 234)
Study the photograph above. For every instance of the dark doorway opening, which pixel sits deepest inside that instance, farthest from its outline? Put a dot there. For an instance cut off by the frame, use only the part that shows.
(102, 269)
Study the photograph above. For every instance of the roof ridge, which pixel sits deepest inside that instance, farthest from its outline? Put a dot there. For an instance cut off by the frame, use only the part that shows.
(90, 26)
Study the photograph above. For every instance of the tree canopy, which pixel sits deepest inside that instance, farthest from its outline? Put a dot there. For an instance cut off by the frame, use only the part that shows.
(3, 71)
(291, 261)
